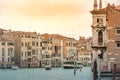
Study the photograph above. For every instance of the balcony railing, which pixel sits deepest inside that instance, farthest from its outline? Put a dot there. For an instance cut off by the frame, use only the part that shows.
(34, 55)
(56, 56)
(29, 47)
(99, 45)
(29, 59)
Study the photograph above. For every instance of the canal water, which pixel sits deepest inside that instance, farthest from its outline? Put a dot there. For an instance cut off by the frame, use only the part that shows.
(42, 74)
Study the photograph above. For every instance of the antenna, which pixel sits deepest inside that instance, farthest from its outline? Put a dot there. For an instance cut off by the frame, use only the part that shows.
(73, 34)
(106, 3)
(29, 28)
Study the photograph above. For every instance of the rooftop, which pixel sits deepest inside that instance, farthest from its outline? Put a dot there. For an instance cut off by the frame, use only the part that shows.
(4, 39)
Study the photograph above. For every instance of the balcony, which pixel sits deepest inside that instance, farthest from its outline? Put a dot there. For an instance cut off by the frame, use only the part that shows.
(56, 56)
(34, 55)
(29, 60)
(10, 44)
(29, 55)
(35, 60)
(29, 47)
(100, 45)
(48, 59)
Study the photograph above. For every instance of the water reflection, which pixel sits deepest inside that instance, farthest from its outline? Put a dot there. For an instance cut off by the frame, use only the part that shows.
(42, 74)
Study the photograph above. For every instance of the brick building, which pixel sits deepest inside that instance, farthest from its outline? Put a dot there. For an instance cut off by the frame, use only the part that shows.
(113, 46)
(106, 34)
(84, 50)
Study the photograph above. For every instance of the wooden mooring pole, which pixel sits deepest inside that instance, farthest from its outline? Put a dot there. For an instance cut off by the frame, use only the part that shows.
(114, 71)
(95, 70)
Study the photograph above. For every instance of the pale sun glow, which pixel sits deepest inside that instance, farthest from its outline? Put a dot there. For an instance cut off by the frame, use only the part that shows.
(70, 18)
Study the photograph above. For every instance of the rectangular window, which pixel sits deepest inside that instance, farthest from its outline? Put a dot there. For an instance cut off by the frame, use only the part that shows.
(9, 60)
(3, 43)
(22, 44)
(2, 59)
(33, 52)
(36, 43)
(40, 43)
(29, 53)
(56, 47)
(33, 43)
(74, 44)
(69, 44)
(50, 48)
(3, 51)
(29, 46)
(66, 44)
(118, 31)
(43, 48)
(21, 54)
(29, 60)
(10, 44)
(100, 20)
(25, 44)
(118, 44)
(8, 52)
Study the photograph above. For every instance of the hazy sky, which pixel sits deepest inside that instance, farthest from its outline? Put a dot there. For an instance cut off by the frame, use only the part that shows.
(66, 17)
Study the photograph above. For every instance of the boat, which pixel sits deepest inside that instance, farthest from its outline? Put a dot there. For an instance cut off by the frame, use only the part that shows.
(48, 67)
(71, 65)
(14, 67)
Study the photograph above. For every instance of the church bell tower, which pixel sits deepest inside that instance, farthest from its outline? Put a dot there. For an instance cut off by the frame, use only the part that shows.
(99, 31)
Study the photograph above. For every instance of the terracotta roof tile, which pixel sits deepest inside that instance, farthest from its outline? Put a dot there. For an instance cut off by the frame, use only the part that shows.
(4, 39)
(46, 35)
(2, 29)
(24, 33)
(117, 7)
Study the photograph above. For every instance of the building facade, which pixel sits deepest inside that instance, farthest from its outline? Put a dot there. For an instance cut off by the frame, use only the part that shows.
(28, 51)
(84, 57)
(113, 46)
(46, 50)
(105, 34)
(6, 52)
(71, 50)
(84, 51)
(57, 53)
(35, 50)
(99, 32)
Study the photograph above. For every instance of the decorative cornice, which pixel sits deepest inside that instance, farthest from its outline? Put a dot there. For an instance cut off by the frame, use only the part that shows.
(100, 29)
(98, 12)
(101, 26)
(97, 26)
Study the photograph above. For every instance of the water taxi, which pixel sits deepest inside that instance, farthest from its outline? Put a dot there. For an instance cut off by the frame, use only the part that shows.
(71, 65)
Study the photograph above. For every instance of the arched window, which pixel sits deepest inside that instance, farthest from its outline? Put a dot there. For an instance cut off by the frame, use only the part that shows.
(100, 37)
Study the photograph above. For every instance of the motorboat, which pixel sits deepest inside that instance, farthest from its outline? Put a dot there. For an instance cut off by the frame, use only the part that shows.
(71, 65)
(14, 67)
(48, 67)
